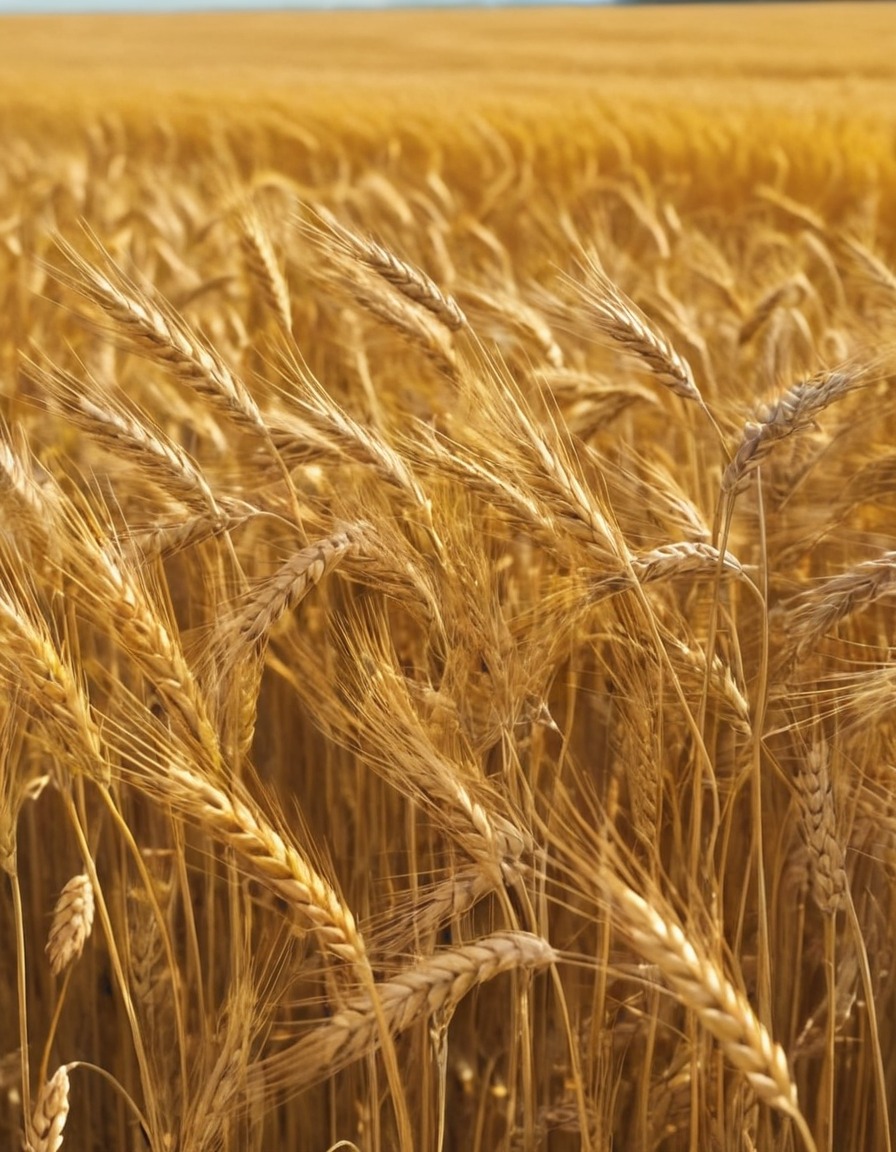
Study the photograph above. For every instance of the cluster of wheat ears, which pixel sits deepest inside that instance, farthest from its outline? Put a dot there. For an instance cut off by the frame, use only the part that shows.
(446, 604)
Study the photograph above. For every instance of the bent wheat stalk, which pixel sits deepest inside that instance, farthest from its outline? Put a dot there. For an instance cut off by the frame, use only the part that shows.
(435, 985)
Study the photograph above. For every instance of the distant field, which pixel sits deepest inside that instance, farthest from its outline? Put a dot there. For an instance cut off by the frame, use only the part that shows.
(469, 55)
(447, 486)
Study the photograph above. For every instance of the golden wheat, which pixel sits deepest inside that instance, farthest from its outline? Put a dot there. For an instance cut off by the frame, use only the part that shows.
(395, 594)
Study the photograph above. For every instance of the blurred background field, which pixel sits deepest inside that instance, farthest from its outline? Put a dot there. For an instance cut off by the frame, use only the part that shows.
(836, 57)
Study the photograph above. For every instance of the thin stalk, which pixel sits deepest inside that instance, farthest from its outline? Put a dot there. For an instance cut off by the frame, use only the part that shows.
(21, 986)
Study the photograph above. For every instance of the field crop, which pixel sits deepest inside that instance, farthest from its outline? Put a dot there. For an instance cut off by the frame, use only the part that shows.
(447, 481)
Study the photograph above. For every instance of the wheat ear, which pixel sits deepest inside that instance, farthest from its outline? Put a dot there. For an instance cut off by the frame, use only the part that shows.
(721, 1008)
(117, 426)
(398, 312)
(159, 333)
(532, 469)
(789, 294)
(241, 652)
(792, 412)
(515, 313)
(343, 435)
(875, 271)
(667, 562)
(163, 540)
(17, 478)
(72, 923)
(403, 276)
(819, 609)
(264, 268)
(119, 596)
(444, 903)
(50, 1113)
(267, 855)
(33, 661)
(295, 579)
(828, 872)
(619, 319)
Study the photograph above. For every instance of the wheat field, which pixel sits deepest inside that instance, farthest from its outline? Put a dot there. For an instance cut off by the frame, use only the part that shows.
(447, 480)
